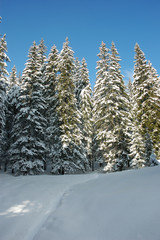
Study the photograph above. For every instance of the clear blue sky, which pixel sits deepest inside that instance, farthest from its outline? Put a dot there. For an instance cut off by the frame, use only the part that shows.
(87, 23)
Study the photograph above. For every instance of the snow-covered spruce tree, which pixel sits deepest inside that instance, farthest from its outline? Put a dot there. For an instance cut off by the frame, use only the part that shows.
(53, 132)
(3, 82)
(19, 80)
(72, 154)
(2, 119)
(113, 121)
(136, 141)
(42, 49)
(77, 80)
(100, 104)
(152, 104)
(137, 148)
(84, 75)
(27, 151)
(3, 58)
(148, 148)
(42, 52)
(13, 77)
(144, 99)
(83, 95)
(129, 90)
(81, 78)
(12, 104)
(86, 106)
(118, 117)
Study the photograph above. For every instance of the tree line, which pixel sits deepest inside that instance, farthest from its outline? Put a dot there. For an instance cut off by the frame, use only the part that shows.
(51, 119)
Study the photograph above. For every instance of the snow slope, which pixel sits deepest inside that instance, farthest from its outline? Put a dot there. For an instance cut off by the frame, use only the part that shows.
(116, 206)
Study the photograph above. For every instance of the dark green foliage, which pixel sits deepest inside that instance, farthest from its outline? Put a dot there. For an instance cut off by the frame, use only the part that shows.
(111, 112)
(50, 121)
(72, 152)
(3, 84)
(146, 101)
(28, 148)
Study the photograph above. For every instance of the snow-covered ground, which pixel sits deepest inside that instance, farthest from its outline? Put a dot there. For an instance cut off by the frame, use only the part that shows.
(116, 206)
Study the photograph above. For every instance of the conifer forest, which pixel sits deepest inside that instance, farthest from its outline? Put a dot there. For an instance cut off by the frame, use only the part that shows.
(52, 121)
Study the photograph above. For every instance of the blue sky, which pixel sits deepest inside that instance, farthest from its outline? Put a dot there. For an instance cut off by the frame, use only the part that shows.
(86, 23)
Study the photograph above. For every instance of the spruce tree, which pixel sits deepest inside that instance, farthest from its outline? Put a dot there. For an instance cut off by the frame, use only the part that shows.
(86, 106)
(130, 90)
(137, 148)
(72, 154)
(137, 158)
(148, 144)
(112, 123)
(27, 151)
(152, 106)
(12, 104)
(42, 52)
(2, 119)
(13, 77)
(145, 99)
(19, 80)
(3, 83)
(100, 104)
(118, 116)
(3, 58)
(53, 132)
(80, 76)
(77, 80)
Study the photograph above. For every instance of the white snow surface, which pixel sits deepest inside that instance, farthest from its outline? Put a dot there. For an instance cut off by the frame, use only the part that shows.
(94, 206)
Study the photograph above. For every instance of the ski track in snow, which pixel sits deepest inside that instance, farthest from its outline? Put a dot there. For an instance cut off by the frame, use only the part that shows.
(116, 206)
(21, 201)
(57, 205)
